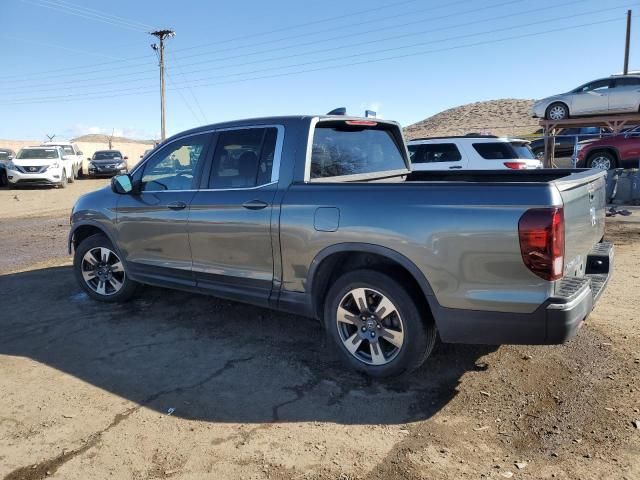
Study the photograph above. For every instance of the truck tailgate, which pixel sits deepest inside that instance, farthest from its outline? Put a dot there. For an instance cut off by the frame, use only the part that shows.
(584, 199)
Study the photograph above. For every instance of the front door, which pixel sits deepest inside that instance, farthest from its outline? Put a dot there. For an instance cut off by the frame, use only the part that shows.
(230, 221)
(436, 156)
(152, 221)
(592, 98)
(625, 95)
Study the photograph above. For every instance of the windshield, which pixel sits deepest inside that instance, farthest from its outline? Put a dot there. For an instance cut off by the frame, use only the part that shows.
(38, 153)
(107, 155)
(345, 149)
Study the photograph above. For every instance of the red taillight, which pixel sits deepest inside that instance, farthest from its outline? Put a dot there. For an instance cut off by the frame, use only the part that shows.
(541, 232)
(365, 123)
(515, 165)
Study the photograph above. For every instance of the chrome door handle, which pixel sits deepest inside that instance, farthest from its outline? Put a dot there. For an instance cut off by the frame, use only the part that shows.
(177, 205)
(255, 205)
(454, 168)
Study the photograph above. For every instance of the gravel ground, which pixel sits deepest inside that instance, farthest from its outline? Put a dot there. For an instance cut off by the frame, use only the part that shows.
(87, 389)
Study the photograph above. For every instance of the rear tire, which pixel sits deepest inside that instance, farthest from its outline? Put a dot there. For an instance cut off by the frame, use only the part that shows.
(385, 336)
(72, 178)
(101, 272)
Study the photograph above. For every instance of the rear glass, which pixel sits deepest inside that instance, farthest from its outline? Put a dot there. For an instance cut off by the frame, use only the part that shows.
(496, 151)
(523, 150)
(347, 150)
(38, 153)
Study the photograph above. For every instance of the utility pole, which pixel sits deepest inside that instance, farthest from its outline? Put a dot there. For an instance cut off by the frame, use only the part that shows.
(162, 35)
(627, 44)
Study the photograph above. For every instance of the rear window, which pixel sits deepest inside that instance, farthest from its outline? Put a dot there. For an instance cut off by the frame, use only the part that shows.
(38, 153)
(351, 150)
(523, 150)
(434, 152)
(496, 151)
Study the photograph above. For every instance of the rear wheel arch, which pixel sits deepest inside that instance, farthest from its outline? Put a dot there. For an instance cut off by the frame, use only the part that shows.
(557, 103)
(608, 150)
(337, 260)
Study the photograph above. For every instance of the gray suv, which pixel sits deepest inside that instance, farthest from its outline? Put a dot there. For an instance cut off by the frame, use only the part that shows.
(321, 216)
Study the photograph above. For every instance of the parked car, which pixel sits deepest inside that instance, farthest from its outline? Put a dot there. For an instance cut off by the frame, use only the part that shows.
(471, 152)
(615, 94)
(6, 155)
(72, 151)
(616, 151)
(40, 166)
(322, 217)
(107, 162)
(566, 139)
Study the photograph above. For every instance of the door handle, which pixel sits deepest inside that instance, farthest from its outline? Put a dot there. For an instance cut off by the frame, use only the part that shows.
(454, 168)
(255, 205)
(177, 205)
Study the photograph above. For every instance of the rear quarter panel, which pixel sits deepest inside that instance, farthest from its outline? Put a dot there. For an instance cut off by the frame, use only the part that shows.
(463, 237)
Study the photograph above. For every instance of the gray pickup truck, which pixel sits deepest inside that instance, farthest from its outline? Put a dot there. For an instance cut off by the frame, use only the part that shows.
(321, 216)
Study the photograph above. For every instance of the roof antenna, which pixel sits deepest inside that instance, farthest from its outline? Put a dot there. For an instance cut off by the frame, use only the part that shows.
(338, 111)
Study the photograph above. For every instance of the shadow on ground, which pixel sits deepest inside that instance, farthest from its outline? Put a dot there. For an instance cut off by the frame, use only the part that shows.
(211, 359)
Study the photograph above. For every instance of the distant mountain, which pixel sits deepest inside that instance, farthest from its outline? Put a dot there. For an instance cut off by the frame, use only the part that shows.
(505, 117)
(99, 138)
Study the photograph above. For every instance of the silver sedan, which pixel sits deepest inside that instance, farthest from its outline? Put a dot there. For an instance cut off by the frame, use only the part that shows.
(616, 94)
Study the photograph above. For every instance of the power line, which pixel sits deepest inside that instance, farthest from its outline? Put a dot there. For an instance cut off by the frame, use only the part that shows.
(291, 27)
(88, 13)
(193, 95)
(329, 49)
(333, 67)
(360, 54)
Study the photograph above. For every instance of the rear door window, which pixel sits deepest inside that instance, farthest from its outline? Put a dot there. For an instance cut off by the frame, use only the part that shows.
(341, 149)
(243, 158)
(496, 150)
(434, 152)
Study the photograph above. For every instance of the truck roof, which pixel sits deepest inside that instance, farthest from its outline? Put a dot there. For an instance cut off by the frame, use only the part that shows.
(283, 119)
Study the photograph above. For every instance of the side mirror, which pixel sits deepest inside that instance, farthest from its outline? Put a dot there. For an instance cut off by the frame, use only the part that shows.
(122, 184)
(126, 158)
(11, 157)
(79, 153)
(89, 159)
(66, 157)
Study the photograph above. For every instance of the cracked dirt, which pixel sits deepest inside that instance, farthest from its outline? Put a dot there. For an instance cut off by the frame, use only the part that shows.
(87, 388)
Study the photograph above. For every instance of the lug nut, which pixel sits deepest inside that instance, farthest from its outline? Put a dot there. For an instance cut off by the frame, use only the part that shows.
(364, 329)
(373, 334)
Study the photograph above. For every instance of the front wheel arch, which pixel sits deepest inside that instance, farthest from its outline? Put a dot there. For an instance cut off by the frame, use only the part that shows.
(553, 104)
(615, 157)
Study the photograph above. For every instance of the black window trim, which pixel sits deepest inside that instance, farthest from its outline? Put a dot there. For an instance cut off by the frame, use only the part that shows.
(456, 146)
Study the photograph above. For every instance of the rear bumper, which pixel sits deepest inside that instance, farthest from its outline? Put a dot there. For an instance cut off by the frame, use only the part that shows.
(554, 322)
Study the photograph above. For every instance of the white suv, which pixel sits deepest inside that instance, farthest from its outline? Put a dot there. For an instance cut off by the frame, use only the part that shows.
(40, 166)
(72, 151)
(471, 152)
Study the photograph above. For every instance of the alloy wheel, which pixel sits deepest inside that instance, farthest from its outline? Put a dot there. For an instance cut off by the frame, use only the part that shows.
(370, 326)
(102, 271)
(601, 162)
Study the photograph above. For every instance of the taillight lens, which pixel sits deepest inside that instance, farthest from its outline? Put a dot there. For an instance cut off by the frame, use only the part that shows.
(515, 165)
(541, 232)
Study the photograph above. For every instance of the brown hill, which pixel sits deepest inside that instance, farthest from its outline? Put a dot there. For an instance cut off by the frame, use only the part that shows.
(505, 117)
(99, 138)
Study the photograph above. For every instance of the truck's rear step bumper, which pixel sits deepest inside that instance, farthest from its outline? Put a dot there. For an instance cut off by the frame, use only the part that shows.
(554, 322)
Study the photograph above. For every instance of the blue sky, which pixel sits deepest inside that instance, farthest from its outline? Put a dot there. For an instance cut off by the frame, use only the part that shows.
(70, 67)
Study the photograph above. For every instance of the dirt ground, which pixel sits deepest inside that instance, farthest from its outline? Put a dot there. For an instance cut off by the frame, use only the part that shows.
(174, 385)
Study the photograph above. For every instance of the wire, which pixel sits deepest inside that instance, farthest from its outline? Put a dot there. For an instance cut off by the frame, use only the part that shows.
(344, 65)
(86, 13)
(193, 95)
(324, 50)
(358, 55)
(392, 5)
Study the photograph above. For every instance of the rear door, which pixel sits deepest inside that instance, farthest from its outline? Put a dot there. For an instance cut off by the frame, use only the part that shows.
(583, 197)
(437, 156)
(152, 222)
(625, 95)
(231, 215)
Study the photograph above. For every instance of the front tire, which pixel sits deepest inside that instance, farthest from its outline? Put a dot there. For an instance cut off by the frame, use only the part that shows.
(100, 271)
(602, 161)
(72, 177)
(63, 181)
(377, 325)
(557, 111)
